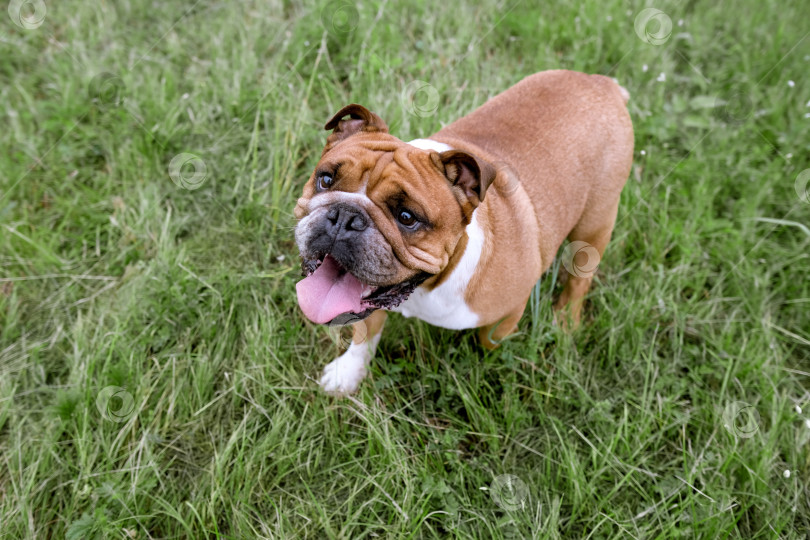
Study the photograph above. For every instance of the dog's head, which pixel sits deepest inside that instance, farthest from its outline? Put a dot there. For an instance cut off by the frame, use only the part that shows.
(379, 216)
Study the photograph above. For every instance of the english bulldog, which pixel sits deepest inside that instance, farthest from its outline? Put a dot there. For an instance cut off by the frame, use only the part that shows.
(455, 229)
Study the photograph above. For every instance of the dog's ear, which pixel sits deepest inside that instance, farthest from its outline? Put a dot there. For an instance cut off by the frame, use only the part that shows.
(360, 119)
(472, 175)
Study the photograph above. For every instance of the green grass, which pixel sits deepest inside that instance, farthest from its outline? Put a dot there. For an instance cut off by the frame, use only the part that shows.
(113, 275)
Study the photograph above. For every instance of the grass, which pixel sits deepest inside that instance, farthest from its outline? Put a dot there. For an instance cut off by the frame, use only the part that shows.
(673, 412)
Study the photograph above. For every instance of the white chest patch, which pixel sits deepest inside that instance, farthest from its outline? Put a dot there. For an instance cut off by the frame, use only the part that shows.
(444, 306)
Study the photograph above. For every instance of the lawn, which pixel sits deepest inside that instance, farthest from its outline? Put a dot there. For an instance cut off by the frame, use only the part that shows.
(157, 379)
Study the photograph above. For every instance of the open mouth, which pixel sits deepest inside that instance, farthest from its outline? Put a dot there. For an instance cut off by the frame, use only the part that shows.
(329, 294)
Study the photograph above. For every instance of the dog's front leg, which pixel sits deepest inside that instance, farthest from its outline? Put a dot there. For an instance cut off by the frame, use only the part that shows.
(343, 375)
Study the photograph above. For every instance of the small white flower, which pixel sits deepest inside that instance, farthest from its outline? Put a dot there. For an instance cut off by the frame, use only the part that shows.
(791, 84)
(184, 96)
(788, 155)
(662, 77)
(280, 258)
(808, 104)
(786, 474)
(644, 68)
(680, 22)
(807, 423)
(797, 409)
(643, 152)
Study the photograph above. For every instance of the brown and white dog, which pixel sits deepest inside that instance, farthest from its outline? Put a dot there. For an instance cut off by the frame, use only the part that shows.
(456, 229)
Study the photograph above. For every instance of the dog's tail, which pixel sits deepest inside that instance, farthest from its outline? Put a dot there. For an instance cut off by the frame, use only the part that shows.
(623, 91)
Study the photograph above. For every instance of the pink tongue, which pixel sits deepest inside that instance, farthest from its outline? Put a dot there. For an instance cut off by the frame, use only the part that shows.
(326, 293)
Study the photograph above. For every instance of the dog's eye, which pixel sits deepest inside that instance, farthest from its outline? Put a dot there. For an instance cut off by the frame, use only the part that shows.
(406, 218)
(325, 181)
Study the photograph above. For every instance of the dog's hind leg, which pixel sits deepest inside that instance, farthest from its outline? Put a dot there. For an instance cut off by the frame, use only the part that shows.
(588, 239)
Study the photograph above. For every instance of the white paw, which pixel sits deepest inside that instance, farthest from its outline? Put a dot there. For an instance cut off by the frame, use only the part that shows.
(343, 375)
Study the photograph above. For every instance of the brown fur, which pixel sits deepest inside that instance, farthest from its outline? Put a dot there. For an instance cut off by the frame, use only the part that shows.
(569, 138)
(369, 327)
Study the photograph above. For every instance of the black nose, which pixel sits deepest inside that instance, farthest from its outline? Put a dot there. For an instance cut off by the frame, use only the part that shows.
(344, 218)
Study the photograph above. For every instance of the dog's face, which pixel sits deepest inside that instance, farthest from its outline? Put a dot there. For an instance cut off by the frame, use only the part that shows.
(378, 217)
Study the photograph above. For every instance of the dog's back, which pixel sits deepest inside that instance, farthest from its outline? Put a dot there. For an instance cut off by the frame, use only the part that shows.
(569, 138)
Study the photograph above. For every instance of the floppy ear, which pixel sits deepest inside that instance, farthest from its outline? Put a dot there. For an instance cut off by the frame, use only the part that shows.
(469, 173)
(360, 119)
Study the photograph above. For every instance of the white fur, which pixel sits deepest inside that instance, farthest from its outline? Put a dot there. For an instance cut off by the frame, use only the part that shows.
(343, 375)
(430, 144)
(331, 197)
(445, 305)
